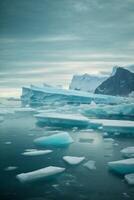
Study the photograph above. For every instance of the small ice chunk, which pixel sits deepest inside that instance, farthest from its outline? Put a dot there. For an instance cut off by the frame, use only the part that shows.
(90, 165)
(36, 152)
(58, 140)
(105, 134)
(125, 166)
(128, 152)
(109, 140)
(73, 160)
(10, 168)
(86, 140)
(130, 178)
(39, 174)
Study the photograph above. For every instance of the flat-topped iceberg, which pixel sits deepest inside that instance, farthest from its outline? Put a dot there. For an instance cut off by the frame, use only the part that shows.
(122, 166)
(57, 140)
(39, 95)
(73, 160)
(39, 174)
(62, 120)
(129, 178)
(122, 126)
(36, 152)
(128, 152)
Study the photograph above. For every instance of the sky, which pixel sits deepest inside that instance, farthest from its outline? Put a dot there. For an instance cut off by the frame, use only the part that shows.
(51, 40)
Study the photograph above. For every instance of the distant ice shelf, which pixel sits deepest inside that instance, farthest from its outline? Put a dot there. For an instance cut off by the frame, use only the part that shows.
(45, 94)
(39, 174)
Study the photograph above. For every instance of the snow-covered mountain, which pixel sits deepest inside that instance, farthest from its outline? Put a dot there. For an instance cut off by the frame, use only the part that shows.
(86, 82)
(120, 83)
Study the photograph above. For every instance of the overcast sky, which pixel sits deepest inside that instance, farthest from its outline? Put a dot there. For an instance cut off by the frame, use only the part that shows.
(50, 40)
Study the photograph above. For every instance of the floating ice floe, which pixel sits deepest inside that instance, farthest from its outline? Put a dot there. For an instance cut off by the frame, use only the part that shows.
(90, 165)
(73, 160)
(128, 152)
(58, 140)
(40, 95)
(60, 119)
(36, 152)
(40, 174)
(10, 168)
(122, 166)
(122, 126)
(129, 178)
(25, 111)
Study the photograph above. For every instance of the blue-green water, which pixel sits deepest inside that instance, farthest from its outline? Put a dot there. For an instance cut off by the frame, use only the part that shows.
(77, 181)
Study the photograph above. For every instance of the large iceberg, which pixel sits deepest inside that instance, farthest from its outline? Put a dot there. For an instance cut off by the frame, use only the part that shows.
(128, 152)
(73, 160)
(57, 140)
(45, 94)
(39, 174)
(62, 120)
(122, 126)
(122, 166)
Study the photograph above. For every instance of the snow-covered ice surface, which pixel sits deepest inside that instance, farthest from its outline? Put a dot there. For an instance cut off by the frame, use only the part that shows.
(129, 178)
(122, 166)
(128, 152)
(60, 119)
(36, 152)
(73, 160)
(40, 174)
(58, 140)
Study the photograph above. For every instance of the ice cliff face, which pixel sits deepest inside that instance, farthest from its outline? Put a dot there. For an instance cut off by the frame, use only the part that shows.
(86, 82)
(120, 83)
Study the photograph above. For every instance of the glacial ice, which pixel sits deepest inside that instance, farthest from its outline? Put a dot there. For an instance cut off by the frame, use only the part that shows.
(128, 152)
(73, 160)
(107, 111)
(122, 126)
(90, 165)
(62, 120)
(39, 174)
(129, 178)
(36, 152)
(57, 140)
(125, 166)
(41, 95)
